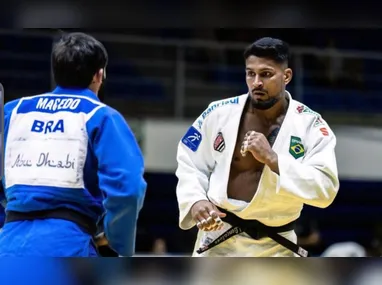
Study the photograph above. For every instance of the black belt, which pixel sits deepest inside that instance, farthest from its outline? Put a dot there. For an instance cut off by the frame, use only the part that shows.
(84, 222)
(257, 231)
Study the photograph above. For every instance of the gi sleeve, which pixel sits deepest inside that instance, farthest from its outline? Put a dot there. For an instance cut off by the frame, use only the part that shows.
(8, 109)
(314, 179)
(120, 174)
(195, 164)
(2, 205)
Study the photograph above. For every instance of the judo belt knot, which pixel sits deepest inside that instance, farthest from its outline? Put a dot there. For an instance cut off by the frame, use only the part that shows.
(255, 230)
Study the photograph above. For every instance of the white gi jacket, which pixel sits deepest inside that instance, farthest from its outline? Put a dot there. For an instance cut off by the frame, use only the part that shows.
(307, 164)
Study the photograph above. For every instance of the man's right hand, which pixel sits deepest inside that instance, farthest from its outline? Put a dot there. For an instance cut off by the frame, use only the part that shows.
(101, 240)
(207, 216)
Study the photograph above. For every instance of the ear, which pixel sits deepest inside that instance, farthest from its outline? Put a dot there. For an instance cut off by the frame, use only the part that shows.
(288, 74)
(103, 73)
(99, 76)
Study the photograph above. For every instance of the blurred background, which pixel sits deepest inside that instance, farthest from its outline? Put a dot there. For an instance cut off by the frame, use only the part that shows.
(162, 79)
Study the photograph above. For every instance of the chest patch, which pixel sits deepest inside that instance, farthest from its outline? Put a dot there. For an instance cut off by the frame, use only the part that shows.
(219, 143)
(296, 148)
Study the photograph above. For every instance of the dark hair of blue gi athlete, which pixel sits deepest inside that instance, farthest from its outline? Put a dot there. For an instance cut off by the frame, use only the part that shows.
(78, 60)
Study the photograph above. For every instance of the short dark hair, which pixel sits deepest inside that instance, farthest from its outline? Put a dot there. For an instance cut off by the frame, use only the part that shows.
(271, 48)
(76, 58)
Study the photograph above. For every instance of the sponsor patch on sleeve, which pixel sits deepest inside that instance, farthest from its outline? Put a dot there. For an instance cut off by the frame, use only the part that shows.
(192, 139)
(318, 122)
(324, 131)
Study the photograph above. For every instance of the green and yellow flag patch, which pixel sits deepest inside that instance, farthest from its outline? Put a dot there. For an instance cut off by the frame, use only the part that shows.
(296, 149)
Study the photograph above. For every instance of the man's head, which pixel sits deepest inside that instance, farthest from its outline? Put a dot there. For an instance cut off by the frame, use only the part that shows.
(267, 72)
(79, 61)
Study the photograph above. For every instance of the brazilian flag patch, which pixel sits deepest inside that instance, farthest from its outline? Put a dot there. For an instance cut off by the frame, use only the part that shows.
(296, 149)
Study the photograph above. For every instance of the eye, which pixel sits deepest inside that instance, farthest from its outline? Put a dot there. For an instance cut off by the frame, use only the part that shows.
(266, 74)
(250, 73)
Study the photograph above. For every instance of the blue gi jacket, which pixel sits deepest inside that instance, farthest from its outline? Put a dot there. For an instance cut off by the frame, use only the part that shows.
(67, 149)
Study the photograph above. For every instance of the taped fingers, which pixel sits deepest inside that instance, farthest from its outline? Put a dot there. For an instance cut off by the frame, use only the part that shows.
(208, 221)
(244, 147)
(218, 223)
(202, 223)
(248, 134)
(202, 218)
(246, 142)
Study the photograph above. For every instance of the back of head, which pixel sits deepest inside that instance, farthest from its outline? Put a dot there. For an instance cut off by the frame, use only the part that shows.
(76, 58)
(271, 48)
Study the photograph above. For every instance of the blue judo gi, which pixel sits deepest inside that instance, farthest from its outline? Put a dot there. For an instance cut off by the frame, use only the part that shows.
(69, 158)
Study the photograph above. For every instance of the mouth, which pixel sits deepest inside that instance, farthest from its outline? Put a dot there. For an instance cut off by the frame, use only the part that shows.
(258, 94)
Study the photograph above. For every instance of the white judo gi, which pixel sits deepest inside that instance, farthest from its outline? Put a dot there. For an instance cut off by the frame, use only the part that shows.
(308, 174)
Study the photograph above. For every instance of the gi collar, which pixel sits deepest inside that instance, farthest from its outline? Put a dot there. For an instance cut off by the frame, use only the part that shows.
(75, 91)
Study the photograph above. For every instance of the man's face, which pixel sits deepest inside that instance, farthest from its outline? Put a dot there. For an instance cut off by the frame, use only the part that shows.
(266, 81)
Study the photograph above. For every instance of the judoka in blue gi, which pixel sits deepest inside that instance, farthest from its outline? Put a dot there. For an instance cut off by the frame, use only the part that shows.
(71, 163)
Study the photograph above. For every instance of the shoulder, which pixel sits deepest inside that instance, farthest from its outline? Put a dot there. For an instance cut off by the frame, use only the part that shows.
(303, 110)
(9, 106)
(110, 113)
(220, 105)
(105, 114)
(311, 120)
(304, 113)
(214, 108)
(224, 103)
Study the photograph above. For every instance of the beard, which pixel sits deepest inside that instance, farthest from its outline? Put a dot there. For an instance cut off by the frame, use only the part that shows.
(264, 104)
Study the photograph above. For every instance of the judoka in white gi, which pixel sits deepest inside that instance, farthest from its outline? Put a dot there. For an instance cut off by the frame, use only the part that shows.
(260, 155)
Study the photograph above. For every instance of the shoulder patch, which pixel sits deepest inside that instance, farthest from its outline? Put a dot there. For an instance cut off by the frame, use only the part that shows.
(192, 139)
(219, 143)
(324, 131)
(318, 122)
(303, 109)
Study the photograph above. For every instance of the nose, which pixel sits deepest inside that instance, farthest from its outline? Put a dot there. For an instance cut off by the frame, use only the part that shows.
(257, 82)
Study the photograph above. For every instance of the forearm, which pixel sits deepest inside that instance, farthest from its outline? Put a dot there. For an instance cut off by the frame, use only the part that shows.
(189, 191)
(120, 175)
(313, 185)
(120, 223)
(3, 204)
(273, 163)
(193, 182)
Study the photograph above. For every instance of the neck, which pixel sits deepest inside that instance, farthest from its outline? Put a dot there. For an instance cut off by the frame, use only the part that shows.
(272, 113)
(93, 88)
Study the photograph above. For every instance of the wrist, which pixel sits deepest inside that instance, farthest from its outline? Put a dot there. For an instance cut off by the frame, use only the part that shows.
(273, 162)
(271, 159)
(198, 201)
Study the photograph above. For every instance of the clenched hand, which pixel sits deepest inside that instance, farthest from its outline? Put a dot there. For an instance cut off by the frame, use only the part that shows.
(257, 144)
(207, 216)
